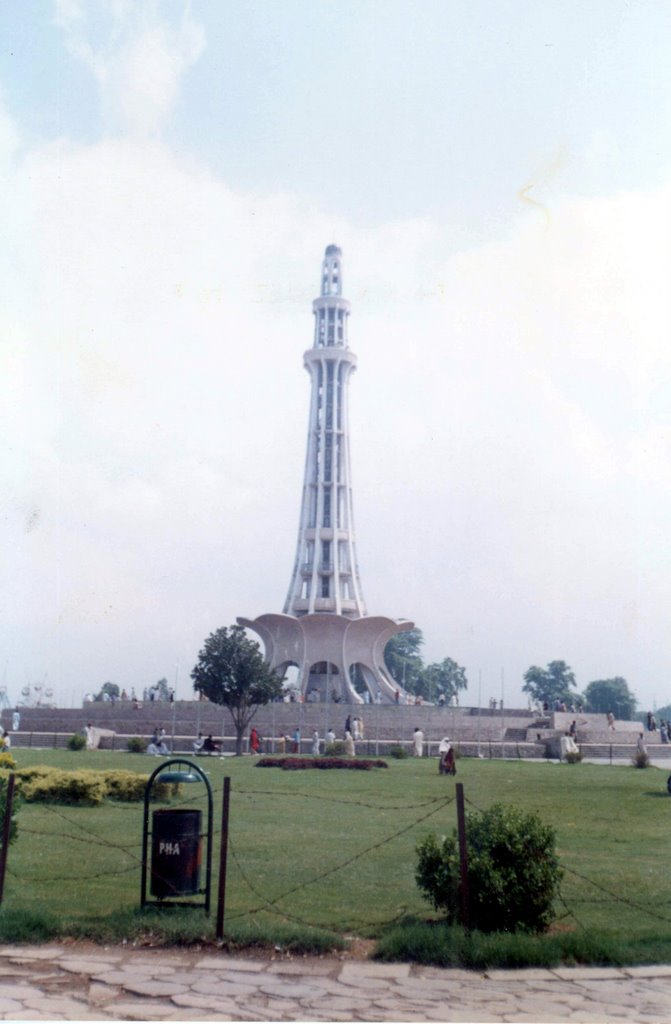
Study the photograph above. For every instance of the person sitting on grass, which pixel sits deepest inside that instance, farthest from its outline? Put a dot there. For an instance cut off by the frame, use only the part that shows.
(209, 746)
(157, 746)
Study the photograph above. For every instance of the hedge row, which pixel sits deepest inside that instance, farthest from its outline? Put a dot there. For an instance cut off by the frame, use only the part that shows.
(53, 785)
(300, 763)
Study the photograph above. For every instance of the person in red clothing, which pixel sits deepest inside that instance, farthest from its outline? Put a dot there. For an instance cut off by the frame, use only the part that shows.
(254, 743)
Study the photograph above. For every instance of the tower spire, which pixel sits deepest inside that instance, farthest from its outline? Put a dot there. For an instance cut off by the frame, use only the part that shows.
(325, 576)
(324, 630)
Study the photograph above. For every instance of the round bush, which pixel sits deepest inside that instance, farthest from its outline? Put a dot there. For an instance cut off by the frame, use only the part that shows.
(513, 871)
(137, 745)
(399, 752)
(77, 741)
(335, 749)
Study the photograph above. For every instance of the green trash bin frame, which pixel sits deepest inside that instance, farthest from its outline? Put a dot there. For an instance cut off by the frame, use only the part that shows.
(177, 769)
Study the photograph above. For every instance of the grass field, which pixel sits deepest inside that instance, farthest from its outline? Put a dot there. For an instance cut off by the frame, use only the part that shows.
(334, 851)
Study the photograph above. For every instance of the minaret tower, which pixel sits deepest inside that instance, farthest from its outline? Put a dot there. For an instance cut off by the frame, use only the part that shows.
(324, 630)
(325, 577)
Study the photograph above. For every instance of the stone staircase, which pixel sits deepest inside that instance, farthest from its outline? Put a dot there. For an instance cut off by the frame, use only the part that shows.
(481, 732)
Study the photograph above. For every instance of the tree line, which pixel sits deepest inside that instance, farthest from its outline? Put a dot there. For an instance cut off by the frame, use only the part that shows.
(556, 684)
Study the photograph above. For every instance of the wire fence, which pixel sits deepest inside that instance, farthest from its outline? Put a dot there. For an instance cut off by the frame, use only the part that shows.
(578, 891)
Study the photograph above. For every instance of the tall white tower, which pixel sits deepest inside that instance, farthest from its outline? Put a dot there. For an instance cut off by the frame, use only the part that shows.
(325, 576)
(324, 630)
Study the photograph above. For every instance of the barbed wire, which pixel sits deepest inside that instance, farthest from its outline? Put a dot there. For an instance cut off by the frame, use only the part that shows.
(329, 871)
(68, 878)
(339, 800)
(614, 897)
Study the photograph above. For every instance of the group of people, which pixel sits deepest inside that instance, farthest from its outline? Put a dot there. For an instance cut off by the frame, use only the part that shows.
(157, 744)
(206, 745)
(664, 727)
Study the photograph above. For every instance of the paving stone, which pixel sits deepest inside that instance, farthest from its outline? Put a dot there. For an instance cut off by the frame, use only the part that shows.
(141, 1009)
(9, 1005)
(330, 1004)
(514, 977)
(119, 977)
(95, 958)
(587, 973)
(224, 963)
(159, 989)
(448, 974)
(31, 952)
(221, 987)
(317, 968)
(648, 971)
(19, 991)
(290, 990)
(101, 994)
(368, 969)
(83, 966)
(193, 999)
(55, 1004)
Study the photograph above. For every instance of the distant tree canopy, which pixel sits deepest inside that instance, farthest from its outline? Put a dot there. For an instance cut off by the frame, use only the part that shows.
(111, 689)
(403, 658)
(604, 695)
(406, 666)
(550, 684)
(162, 689)
(231, 671)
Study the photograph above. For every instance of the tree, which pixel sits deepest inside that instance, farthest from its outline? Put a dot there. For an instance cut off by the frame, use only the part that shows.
(550, 684)
(231, 671)
(403, 659)
(444, 677)
(111, 689)
(604, 695)
(162, 689)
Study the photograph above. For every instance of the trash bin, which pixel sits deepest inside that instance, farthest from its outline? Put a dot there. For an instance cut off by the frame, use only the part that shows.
(175, 853)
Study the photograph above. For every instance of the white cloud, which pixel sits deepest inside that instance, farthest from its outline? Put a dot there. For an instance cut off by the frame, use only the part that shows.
(510, 437)
(138, 62)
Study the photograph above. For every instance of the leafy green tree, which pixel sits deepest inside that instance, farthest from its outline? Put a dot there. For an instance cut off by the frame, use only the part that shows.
(550, 684)
(162, 689)
(231, 671)
(443, 677)
(614, 695)
(403, 659)
(111, 689)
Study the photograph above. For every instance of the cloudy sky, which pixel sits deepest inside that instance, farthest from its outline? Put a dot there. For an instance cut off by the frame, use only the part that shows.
(498, 175)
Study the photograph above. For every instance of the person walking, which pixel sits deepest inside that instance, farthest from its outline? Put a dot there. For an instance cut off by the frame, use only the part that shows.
(418, 742)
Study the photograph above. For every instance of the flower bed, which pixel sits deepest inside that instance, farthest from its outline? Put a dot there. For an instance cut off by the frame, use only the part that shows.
(300, 763)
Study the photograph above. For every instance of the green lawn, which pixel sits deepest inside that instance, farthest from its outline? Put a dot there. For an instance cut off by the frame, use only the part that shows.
(335, 850)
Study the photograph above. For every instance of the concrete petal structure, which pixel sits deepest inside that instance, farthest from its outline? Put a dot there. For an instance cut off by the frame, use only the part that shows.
(324, 630)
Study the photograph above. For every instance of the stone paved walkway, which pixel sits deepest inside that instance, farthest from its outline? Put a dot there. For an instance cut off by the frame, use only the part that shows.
(76, 982)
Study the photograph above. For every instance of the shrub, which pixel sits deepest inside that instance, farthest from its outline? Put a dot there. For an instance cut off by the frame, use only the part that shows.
(398, 752)
(513, 871)
(335, 749)
(77, 741)
(6, 760)
(122, 785)
(640, 759)
(65, 788)
(130, 787)
(137, 745)
(302, 763)
(573, 757)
